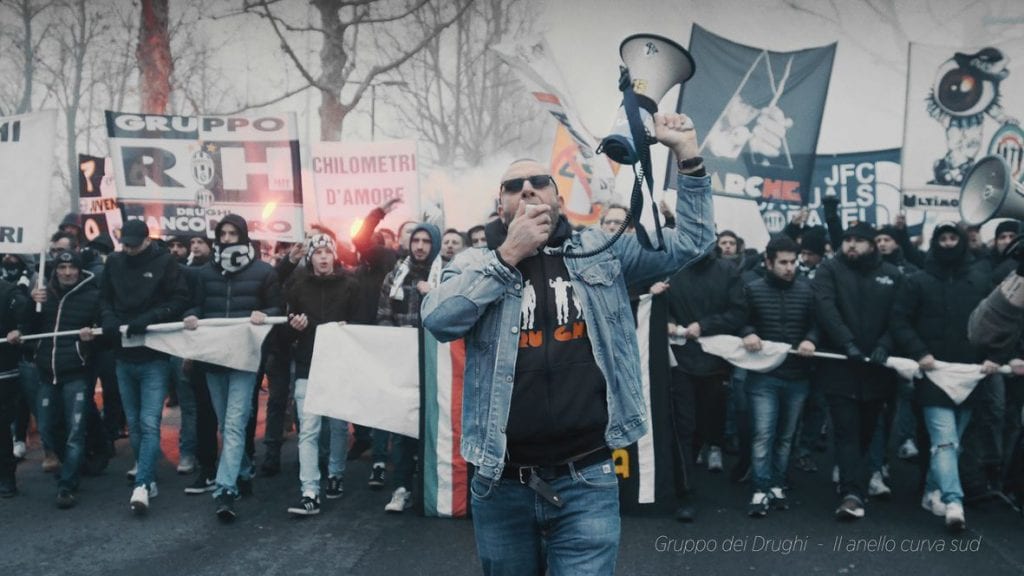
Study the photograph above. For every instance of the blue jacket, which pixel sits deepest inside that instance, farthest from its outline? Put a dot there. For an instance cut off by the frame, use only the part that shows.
(480, 298)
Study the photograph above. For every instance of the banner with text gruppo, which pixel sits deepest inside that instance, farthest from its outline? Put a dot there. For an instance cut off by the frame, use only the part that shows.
(182, 174)
(757, 113)
(27, 143)
(353, 178)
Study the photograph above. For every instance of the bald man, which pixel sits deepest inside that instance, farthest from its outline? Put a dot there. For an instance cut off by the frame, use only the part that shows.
(546, 399)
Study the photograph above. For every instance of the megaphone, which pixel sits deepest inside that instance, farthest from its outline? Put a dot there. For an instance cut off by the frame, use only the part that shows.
(653, 64)
(990, 191)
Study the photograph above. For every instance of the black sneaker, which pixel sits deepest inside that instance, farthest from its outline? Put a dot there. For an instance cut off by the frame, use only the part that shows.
(308, 506)
(777, 499)
(8, 489)
(377, 475)
(335, 488)
(851, 508)
(202, 485)
(65, 499)
(245, 486)
(226, 507)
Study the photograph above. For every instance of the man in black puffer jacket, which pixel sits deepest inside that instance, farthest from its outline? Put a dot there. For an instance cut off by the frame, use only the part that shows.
(780, 309)
(141, 285)
(703, 300)
(235, 284)
(320, 293)
(70, 301)
(854, 294)
(930, 324)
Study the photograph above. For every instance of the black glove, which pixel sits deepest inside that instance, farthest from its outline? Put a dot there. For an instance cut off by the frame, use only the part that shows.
(111, 330)
(879, 355)
(137, 327)
(853, 353)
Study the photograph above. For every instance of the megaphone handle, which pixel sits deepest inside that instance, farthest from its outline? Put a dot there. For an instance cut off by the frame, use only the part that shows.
(624, 78)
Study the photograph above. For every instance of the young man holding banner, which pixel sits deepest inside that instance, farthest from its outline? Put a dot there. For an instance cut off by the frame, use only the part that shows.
(552, 365)
(141, 285)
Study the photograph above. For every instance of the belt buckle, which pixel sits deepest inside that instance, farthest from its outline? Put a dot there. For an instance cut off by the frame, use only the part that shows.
(521, 469)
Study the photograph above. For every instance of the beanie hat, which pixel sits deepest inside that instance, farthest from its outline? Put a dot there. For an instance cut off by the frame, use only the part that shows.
(814, 242)
(1008, 226)
(318, 241)
(861, 230)
(888, 230)
(67, 257)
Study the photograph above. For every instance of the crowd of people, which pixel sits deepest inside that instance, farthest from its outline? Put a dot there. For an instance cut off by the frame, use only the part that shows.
(861, 292)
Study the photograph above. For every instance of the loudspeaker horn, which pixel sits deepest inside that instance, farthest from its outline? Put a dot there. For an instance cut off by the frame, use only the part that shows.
(989, 191)
(655, 64)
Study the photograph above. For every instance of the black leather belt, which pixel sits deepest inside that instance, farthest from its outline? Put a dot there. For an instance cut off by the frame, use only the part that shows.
(523, 473)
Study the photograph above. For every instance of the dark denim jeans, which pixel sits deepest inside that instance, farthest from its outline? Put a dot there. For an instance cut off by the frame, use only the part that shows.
(62, 422)
(520, 533)
(775, 406)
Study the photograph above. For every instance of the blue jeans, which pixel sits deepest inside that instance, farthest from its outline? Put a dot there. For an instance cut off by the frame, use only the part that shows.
(945, 429)
(187, 403)
(65, 401)
(519, 532)
(309, 436)
(143, 387)
(775, 405)
(231, 396)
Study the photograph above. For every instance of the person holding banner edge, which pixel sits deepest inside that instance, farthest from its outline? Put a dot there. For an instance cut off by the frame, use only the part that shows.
(545, 494)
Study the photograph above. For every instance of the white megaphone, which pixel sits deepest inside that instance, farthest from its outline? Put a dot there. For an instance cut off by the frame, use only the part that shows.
(989, 191)
(655, 64)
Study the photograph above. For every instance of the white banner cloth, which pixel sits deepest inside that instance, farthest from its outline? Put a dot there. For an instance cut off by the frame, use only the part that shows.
(367, 375)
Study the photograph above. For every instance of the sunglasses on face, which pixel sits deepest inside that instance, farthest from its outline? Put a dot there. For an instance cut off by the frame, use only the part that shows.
(516, 184)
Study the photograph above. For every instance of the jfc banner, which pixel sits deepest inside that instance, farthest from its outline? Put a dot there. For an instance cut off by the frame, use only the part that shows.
(962, 105)
(27, 143)
(182, 174)
(758, 113)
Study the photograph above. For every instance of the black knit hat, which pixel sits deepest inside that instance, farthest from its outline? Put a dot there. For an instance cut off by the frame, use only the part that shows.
(861, 230)
(1008, 226)
(814, 242)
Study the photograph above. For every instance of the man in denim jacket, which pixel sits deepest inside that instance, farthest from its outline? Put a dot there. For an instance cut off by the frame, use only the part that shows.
(552, 369)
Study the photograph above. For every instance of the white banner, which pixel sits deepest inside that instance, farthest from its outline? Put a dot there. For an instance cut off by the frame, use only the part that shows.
(353, 178)
(234, 343)
(182, 174)
(962, 105)
(366, 375)
(27, 143)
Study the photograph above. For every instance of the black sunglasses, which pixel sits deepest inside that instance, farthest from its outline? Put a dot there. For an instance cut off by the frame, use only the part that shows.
(516, 184)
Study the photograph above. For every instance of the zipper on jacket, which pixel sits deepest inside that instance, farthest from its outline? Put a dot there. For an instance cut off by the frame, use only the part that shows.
(56, 328)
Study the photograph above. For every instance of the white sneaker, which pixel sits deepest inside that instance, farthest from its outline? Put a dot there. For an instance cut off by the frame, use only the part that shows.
(932, 502)
(187, 464)
(877, 486)
(153, 492)
(714, 459)
(131, 473)
(955, 517)
(908, 450)
(401, 500)
(140, 500)
(19, 450)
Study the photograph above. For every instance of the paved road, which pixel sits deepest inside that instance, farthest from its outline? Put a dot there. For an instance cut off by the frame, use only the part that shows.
(354, 535)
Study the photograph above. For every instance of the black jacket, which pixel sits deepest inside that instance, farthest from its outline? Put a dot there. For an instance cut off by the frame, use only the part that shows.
(14, 315)
(375, 261)
(221, 294)
(322, 299)
(931, 314)
(710, 293)
(66, 358)
(782, 312)
(853, 301)
(147, 287)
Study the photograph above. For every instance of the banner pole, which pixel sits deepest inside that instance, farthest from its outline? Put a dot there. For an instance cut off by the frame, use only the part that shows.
(40, 280)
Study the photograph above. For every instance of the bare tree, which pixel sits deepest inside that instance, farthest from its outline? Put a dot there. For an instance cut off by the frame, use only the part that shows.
(458, 95)
(352, 54)
(27, 42)
(154, 57)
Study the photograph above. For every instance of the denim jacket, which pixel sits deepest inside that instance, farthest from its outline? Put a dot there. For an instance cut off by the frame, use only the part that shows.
(480, 299)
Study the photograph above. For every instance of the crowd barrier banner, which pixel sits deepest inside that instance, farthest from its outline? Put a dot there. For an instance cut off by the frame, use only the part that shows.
(234, 343)
(27, 143)
(963, 103)
(182, 174)
(758, 113)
